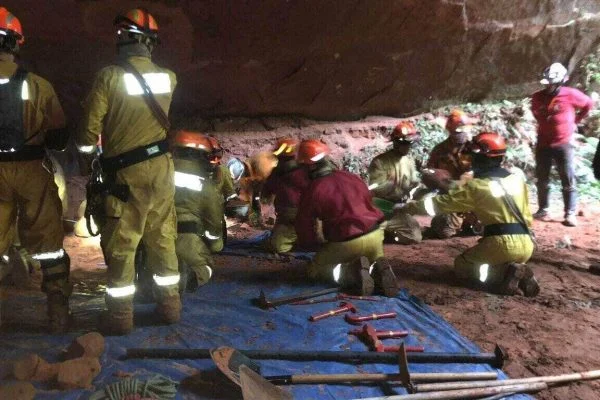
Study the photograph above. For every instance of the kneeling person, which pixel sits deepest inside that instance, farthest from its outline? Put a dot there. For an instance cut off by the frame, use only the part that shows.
(392, 176)
(499, 199)
(200, 182)
(353, 254)
(286, 183)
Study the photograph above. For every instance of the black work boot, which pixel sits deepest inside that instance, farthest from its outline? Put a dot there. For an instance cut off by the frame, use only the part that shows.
(355, 278)
(58, 313)
(385, 279)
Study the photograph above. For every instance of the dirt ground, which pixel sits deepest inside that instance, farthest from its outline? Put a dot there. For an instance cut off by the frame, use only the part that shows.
(556, 332)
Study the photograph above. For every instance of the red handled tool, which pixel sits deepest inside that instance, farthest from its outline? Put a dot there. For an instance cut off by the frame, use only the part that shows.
(344, 306)
(357, 320)
(380, 334)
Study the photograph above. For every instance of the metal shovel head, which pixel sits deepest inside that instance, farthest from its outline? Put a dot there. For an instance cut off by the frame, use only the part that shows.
(229, 361)
(255, 387)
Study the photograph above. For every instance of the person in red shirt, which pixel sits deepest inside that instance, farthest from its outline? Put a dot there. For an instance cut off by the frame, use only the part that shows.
(352, 256)
(286, 183)
(558, 109)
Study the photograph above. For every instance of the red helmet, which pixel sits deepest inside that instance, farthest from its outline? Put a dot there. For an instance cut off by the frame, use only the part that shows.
(310, 151)
(10, 25)
(286, 147)
(457, 121)
(194, 140)
(138, 20)
(489, 144)
(405, 131)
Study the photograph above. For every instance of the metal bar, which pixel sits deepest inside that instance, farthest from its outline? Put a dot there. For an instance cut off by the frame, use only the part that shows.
(550, 380)
(467, 393)
(493, 359)
(265, 303)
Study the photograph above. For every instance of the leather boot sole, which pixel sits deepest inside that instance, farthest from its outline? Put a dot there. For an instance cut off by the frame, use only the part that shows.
(515, 273)
(528, 284)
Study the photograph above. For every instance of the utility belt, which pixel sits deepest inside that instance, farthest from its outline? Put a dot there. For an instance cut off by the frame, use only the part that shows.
(187, 227)
(372, 229)
(110, 165)
(504, 229)
(26, 153)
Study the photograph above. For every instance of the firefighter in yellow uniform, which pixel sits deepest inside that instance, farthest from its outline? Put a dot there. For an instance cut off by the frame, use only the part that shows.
(392, 177)
(450, 156)
(202, 187)
(31, 119)
(135, 153)
(500, 200)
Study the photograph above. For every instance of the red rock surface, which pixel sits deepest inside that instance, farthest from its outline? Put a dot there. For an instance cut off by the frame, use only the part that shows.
(330, 59)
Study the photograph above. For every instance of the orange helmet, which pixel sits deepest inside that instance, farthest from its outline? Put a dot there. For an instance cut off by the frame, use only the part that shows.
(10, 25)
(489, 144)
(405, 131)
(310, 151)
(194, 140)
(457, 121)
(285, 147)
(217, 151)
(138, 20)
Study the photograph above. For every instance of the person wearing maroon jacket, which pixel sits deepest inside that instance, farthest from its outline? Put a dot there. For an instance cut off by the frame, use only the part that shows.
(352, 256)
(558, 109)
(286, 183)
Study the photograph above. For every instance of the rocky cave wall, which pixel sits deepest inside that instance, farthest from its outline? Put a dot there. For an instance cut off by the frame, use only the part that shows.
(327, 59)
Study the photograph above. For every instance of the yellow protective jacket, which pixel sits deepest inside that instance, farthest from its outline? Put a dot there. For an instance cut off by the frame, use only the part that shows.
(41, 109)
(128, 123)
(392, 177)
(203, 204)
(482, 196)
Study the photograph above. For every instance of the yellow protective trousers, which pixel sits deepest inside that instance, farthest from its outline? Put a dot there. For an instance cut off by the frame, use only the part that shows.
(194, 253)
(148, 215)
(496, 252)
(283, 238)
(334, 253)
(28, 190)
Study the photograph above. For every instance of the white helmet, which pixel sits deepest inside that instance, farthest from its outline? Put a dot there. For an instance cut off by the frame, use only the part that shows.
(555, 74)
(236, 168)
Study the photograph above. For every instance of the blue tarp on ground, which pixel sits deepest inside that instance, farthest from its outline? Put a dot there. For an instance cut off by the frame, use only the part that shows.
(250, 247)
(221, 313)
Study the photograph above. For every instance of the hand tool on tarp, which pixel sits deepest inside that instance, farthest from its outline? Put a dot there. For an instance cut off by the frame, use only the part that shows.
(464, 394)
(358, 319)
(340, 296)
(344, 307)
(368, 335)
(495, 359)
(380, 334)
(229, 361)
(265, 303)
(553, 380)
